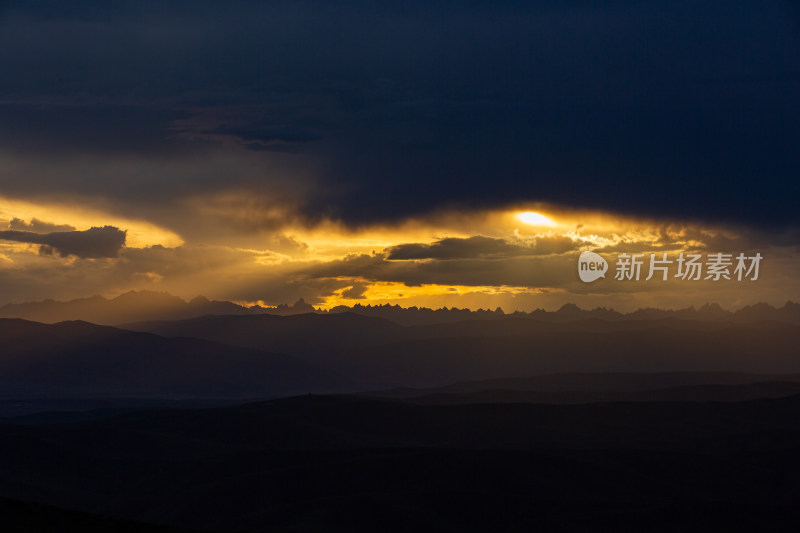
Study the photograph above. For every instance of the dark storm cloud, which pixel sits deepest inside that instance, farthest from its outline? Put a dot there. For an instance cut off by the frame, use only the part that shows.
(517, 271)
(356, 291)
(55, 128)
(265, 136)
(91, 243)
(478, 246)
(455, 248)
(37, 226)
(679, 108)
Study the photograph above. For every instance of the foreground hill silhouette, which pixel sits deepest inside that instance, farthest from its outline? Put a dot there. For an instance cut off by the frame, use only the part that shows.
(509, 423)
(570, 388)
(24, 516)
(78, 359)
(567, 422)
(377, 353)
(264, 356)
(352, 464)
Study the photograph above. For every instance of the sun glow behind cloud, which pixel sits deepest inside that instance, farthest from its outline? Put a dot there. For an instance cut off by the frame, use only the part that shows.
(517, 257)
(536, 219)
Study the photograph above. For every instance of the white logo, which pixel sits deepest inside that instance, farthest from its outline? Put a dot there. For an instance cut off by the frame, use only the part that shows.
(591, 267)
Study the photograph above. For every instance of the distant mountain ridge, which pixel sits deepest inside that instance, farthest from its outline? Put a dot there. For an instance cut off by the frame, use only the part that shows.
(593, 381)
(141, 306)
(576, 387)
(569, 312)
(134, 306)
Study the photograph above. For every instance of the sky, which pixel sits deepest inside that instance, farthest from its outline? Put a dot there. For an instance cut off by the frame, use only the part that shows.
(387, 152)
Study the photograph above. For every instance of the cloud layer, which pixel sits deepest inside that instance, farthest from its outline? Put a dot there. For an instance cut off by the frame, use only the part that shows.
(92, 243)
(670, 109)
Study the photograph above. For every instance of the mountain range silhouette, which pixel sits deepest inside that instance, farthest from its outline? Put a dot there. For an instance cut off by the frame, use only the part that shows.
(136, 306)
